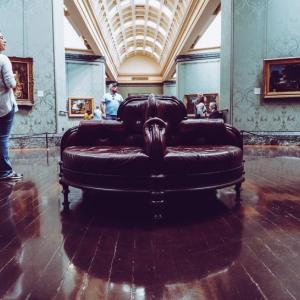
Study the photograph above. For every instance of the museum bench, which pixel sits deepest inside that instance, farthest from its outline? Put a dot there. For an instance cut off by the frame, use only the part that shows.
(151, 148)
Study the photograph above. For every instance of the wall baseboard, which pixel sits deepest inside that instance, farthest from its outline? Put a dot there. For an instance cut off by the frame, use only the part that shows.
(38, 141)
(272, 138)
(249, 138)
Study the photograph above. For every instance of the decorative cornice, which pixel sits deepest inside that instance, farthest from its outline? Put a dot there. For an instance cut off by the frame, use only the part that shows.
(169, 82)
(198, 56)
(140, 74)
(83, 57)
(139, 84)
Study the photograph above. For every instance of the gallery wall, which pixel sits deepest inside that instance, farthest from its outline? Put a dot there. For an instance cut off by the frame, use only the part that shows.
(198, 73)
(135, 88)
(28, 27)
(169, 88)
(85, 78)
(251, 32)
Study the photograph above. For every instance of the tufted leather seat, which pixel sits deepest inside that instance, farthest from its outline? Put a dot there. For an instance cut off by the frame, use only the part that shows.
(106, 159)
(191, 159)
(152, 147)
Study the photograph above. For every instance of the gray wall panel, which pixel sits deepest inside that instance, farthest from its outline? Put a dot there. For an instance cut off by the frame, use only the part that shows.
(28, 26)
(85, 78)
(261, 29)
(198, 76)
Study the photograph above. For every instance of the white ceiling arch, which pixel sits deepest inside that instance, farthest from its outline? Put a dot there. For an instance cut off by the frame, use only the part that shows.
(146, 26)
(156, 29)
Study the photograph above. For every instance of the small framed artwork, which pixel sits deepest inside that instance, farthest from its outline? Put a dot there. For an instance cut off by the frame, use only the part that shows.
(79, 106)
(23, 71)
(190, 102)
(282, 78)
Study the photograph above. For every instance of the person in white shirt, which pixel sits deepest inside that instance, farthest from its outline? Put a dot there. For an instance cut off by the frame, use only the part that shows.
(8, 107)
(97, 113)
(111, 102)
(201, 111)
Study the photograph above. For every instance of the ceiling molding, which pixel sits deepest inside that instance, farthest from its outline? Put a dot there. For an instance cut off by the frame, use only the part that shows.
(84, 57)
(140, 74)
(135, 84)
(160, 29)
(196, 21)
(139, 79)
(83, 18)
(198, 56)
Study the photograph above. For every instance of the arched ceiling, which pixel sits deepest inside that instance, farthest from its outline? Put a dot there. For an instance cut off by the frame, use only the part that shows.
(136, 27)
(157, 29)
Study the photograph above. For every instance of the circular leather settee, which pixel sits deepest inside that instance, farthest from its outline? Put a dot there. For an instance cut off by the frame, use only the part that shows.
(151, 148)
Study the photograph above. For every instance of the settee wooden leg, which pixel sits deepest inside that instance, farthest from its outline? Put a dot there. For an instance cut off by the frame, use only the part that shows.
(65, 192)
(157, 203)
(238, 193)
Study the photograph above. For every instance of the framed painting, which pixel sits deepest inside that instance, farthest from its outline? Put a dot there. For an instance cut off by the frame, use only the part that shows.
(138, 94)
(189, 101)
(282, 78)
(23, 71)
(79, 106)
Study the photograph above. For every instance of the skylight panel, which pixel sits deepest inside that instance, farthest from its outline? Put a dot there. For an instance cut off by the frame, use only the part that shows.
(149, 49)
(157, 44)
(130, 49)
(72, 39)
(124, 3)
(140, 2)
(113, 12)
(212, 36)
(150, 39)
(156, 55)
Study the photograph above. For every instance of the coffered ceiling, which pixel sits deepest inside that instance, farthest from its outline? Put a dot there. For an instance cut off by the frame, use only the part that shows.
(146, 27)
(159, 29)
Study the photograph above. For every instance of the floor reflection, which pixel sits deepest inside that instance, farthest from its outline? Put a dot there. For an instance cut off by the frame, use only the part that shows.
(111, 248)
(25, 209)
(18, 208)
(117, 246)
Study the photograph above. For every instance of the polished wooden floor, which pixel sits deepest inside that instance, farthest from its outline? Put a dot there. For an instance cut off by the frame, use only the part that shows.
(111, 247)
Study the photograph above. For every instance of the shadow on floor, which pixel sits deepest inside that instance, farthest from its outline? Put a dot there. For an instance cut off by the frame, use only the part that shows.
(115, 239)
(131, 209)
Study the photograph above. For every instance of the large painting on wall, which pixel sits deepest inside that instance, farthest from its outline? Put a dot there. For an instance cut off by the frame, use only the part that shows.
(189, 101)
(79, 106)
(282, 78)
(23, 71)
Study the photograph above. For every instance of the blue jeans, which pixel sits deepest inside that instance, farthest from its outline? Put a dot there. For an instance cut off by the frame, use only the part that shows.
(5, 128)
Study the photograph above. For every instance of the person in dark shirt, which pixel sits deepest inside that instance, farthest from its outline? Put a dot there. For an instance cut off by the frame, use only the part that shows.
(213, 111)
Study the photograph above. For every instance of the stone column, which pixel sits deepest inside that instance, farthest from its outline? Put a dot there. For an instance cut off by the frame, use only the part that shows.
(169, 88)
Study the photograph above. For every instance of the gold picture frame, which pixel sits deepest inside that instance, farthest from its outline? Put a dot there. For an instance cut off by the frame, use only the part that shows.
(190, 99)
(282, 78)
(23, 71)
(78, 106)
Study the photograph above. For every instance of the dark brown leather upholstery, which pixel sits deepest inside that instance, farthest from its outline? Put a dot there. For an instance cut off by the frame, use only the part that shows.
(106, 159)
(152, 147)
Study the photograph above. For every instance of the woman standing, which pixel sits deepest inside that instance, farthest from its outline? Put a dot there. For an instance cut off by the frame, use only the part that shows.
(8, 107)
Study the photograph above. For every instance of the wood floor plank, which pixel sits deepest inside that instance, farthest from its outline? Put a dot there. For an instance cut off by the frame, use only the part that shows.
(202, 249)
(263, 277)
